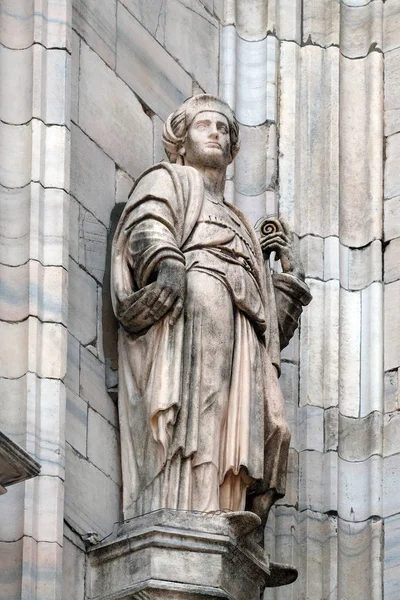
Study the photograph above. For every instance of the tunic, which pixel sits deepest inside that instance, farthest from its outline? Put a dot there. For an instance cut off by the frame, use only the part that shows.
(212, 379)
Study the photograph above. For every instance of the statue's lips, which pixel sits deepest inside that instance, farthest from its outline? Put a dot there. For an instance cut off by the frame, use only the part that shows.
(213, 145)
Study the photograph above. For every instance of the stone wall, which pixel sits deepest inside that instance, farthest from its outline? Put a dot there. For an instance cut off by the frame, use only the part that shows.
(132, 64)
(315, 86)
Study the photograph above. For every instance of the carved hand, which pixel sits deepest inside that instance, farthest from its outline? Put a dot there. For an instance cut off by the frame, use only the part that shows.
(281, 242)
(170, 290)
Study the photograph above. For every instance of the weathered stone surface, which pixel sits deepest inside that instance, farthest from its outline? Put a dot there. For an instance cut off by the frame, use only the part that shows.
(317, 557)
(11, 562)
(75, 67)
(158, 147)
(92, 176)
(16, 92)
(361, 172)
(359, 559)
(46, 443)
(287, 19)
(392, 166)
(331, 256)
(318, 476)
(392, 261)
(15, 155)
(250, 18)
(361, 29)
(392, 326)
(72, 376)
(92, 387)
(92, 245)
(103, 446)
(319, 353)
(76, 422)
(321, 22)
(110, 114)
(331, 429)
(358, 500)
(95, 21)
(123, 186)
(47, 359)
(248, 82)
(350, 355)
(51, 85)
(82, 313)
(312, 255)
(391, 482)
(290, 390)
(391, 210)
(371, 374)
(199, 556)
(255, 165)
(151, 16)
(291, 497)
(73, 245)
(391, 391)
(311, 428)
(139, 54)
(254, 207)
(227, 65)
(14, 226)
(360, 438)
(193, 39)
(21, 24)
(32, 289)
(391, 25)
(94, 507)
(392, 558)
(309, 192)
(392, 86)
(51, 167)
(256, 80)
(73, 571)
(364, 265)
(391, 431)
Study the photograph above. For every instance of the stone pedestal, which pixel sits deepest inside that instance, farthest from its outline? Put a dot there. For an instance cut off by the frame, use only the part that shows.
(178, 555)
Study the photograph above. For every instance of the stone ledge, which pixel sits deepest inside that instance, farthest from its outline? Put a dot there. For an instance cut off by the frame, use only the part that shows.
(16, 465)
(181, 555)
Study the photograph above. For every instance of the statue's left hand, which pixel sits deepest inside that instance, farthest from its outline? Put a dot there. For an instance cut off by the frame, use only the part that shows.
(281, 242)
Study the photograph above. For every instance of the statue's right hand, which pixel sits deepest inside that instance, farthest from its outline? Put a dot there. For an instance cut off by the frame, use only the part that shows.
(170, 290)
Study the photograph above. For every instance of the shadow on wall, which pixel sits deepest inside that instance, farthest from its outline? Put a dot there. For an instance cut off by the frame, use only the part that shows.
(110, 325)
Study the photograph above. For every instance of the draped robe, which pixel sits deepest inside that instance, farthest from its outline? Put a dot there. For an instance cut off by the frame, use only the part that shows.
(210, 380)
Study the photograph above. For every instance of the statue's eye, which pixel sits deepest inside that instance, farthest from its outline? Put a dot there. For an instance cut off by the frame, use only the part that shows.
(201, 126)
(223, 129)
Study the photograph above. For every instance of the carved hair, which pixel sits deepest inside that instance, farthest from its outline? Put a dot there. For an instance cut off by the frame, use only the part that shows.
(177, 124)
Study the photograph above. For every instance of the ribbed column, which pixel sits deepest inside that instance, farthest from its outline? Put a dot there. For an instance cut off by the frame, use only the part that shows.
(327, 162)
(34, 183)
(360, 466)
(248, 72)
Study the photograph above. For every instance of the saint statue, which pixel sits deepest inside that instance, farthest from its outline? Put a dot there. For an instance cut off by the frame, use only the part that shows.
(202, 323)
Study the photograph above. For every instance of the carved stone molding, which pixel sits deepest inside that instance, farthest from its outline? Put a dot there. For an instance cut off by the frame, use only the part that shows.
(186, 555)
(15, 464)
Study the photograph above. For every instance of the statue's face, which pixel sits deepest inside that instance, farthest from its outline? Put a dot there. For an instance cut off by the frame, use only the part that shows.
(208, 141)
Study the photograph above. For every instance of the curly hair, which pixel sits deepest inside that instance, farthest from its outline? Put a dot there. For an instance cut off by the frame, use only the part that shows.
(177, 124)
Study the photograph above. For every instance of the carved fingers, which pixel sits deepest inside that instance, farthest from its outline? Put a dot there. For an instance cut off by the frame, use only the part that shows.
(278, 242)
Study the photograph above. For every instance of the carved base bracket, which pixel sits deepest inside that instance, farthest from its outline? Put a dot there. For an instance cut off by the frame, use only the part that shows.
(179, 555)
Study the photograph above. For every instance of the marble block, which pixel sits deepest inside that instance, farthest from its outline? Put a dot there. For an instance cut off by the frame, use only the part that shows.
(184, 555)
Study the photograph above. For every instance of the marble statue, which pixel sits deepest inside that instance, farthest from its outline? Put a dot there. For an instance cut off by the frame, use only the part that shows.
(202, 323)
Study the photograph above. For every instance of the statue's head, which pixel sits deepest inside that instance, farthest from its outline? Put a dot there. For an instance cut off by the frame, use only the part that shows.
(203, 129)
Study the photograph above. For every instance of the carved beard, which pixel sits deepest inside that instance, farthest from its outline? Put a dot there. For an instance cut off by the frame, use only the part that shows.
(201, 155)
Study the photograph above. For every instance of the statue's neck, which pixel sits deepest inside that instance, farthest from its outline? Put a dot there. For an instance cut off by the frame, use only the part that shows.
(214, 182)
